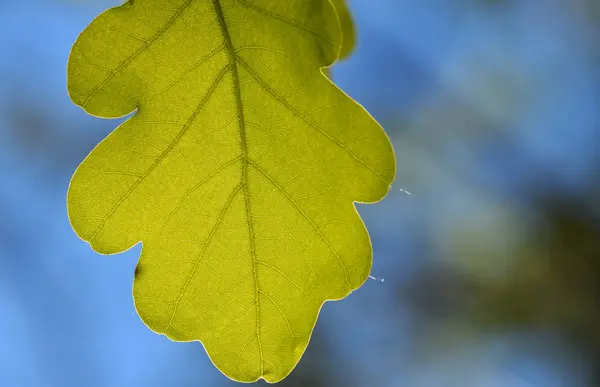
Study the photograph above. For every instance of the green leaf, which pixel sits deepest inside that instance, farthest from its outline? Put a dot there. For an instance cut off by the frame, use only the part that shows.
(347, 24)
(238, 171)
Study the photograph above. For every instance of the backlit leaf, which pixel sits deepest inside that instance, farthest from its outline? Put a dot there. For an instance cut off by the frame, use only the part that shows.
(238, 171)
(347, 24)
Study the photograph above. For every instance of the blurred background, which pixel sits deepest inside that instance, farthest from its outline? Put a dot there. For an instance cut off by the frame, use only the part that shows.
(491, 266)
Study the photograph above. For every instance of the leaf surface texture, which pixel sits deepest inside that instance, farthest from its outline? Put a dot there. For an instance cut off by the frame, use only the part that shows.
(347, 25)
(238, 171)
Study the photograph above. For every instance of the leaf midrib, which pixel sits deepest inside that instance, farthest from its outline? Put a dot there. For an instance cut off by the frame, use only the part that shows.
(233, 60)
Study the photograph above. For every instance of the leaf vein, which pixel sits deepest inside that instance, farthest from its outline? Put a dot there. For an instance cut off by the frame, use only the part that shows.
(196, 187)
(305, 216)
(201, 255)
(157, 35)
(268, 88)
(287, 321)
(237, 362)
(185, 73)
(160, 158)
(230, 322)
(244, 149)
(294, 23)
(284, 276)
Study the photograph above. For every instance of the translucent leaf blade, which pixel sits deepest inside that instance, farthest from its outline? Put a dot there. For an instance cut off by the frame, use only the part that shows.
(238, 172)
